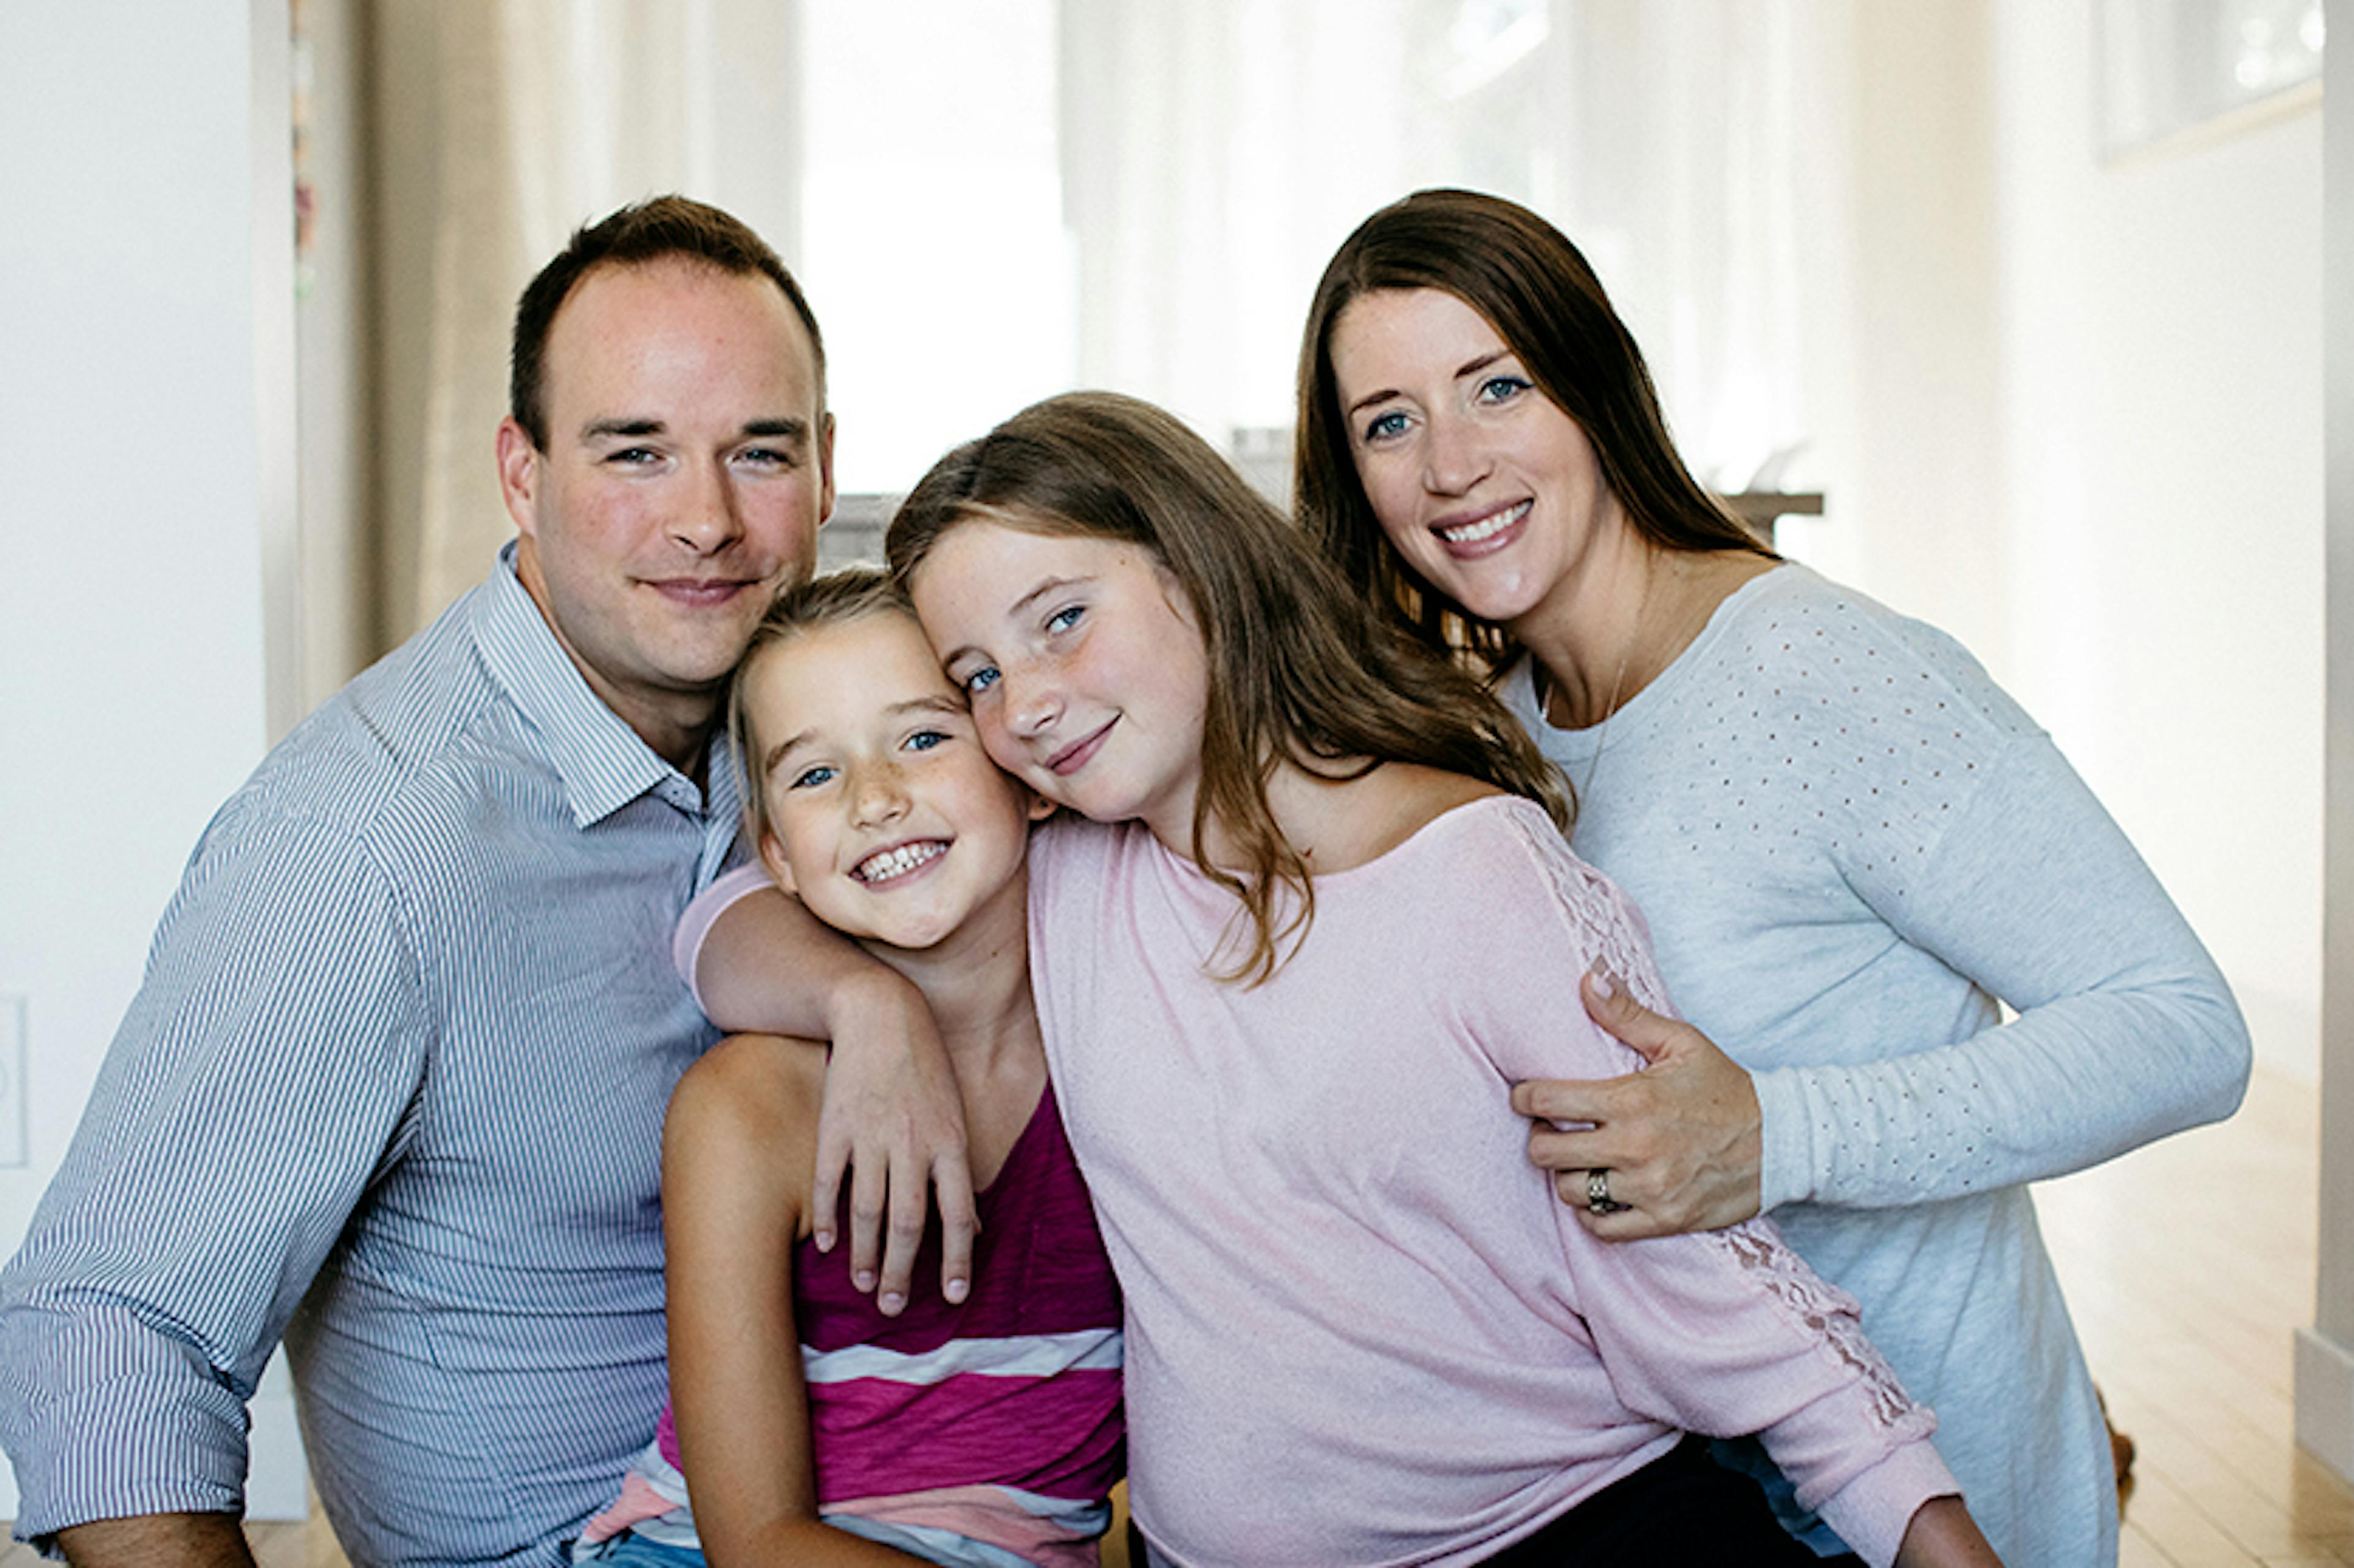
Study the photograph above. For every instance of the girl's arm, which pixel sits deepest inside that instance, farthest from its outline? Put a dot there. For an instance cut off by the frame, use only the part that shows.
(1726, 1332)
(760, 962)
(2126, 1032)
(736, 1160)
(1944, 1535)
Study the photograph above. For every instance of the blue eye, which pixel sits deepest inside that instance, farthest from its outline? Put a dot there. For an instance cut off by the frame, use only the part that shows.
(925, 740)
(766, 456)
(979, 681)
(811, 778)
(1501, 388)
(1065, 619)
(632, 457)
(1384, 426)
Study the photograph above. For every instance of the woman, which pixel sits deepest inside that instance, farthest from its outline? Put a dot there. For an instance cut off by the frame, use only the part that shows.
(1849, 843)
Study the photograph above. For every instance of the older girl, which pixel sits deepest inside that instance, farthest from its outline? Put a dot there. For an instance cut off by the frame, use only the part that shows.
(1283, 986)
(1849, 843)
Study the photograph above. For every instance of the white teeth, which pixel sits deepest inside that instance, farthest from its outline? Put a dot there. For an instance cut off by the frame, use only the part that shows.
(899, 862)
(1486, 527)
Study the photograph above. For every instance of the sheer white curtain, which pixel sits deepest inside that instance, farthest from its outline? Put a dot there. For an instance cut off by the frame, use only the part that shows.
(501, 126)
(1214, 153)
(1217, 151)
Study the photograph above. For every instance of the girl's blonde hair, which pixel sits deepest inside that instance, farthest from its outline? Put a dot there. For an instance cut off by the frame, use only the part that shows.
(1300, 668)
(837, 599)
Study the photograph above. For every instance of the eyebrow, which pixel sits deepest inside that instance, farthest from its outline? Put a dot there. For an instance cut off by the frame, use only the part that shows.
(783, 428)
(1045, 587)
(776, 754)
(943, 703)
(1472, 368)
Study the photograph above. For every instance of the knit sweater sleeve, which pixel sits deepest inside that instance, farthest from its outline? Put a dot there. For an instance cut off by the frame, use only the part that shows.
(2125, 1029)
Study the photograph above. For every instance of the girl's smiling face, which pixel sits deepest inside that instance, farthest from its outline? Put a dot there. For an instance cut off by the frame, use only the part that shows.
(1084, 664)
(1485, 488)
(885, 815)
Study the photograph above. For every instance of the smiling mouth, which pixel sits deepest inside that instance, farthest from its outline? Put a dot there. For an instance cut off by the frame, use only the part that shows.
(695, 591)
(887, 865)
(1074, 757)
(1481, 529)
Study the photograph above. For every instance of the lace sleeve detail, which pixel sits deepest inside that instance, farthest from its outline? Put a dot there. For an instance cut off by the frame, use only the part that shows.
(1829, 1314)
(1603, 919)
(1605, 924)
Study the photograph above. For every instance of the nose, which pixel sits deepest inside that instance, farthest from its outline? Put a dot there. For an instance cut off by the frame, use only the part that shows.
(709, 517)
(1030, 701)
(1454, 457)
(879, 795)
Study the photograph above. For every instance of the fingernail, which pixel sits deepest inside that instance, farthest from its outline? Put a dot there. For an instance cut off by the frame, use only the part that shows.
(824, 1240)
(864, 1278)
(1605, 984)
(891, 1301)
(956, 1289)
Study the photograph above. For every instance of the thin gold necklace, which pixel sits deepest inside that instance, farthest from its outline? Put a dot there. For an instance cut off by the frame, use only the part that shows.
(1618, 684)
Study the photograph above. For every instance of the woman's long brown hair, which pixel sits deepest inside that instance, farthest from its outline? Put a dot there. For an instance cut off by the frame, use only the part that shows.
(1537, 290)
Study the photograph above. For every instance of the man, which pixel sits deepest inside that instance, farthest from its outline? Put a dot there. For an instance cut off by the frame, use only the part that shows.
(393, 1085)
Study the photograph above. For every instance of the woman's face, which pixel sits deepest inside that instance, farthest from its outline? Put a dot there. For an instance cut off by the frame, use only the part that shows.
(1490, 492)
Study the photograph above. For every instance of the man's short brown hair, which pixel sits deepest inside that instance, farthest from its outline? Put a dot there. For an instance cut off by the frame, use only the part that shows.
(648, 231)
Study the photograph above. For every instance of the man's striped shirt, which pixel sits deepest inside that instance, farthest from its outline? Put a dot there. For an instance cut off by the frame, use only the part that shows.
(393, 1089)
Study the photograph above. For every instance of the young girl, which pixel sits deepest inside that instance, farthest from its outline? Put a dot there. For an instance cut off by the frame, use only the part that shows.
(816, 1430)
(1284, 988)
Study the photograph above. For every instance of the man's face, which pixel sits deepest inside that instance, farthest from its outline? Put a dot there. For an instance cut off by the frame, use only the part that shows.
(688, 466)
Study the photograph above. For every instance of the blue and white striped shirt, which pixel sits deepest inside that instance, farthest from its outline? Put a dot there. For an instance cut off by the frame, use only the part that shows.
(393, 1089)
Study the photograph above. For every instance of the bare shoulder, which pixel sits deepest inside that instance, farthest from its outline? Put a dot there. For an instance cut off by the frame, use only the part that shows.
(1430, 793)
(760, 1090)
(1383, 809)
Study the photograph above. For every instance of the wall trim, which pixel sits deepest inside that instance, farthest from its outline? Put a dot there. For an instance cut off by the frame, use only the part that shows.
(2324, 1401)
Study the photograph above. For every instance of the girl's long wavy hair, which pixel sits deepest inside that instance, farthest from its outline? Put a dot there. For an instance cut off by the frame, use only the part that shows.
(1537, 290)
(1301, 670)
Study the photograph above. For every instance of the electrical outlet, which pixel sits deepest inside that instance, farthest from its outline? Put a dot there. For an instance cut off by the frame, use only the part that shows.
(14, 1117)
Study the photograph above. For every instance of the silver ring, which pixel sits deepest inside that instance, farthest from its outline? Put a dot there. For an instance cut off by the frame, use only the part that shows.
(1598, 1194)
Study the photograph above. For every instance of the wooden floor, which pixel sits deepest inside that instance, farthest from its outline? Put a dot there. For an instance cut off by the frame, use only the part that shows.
(2187, 1266)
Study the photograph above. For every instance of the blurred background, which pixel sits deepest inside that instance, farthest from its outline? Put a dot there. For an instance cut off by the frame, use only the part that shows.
(2021, 300)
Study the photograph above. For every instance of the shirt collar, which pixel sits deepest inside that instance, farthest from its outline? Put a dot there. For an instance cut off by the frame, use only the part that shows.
(603, 762)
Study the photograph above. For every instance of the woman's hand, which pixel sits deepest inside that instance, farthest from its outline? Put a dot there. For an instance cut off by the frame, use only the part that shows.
(1680, 1140)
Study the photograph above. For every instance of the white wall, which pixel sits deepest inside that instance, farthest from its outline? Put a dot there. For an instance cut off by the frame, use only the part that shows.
(1900, 247)
(2074, 419)
(145, 393)
(2161, 497)
(2324, 1352)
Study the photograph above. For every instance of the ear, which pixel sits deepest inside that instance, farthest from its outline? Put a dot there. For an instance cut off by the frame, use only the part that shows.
(772, 855)
(825, 469)
(519, 476)
(1040, 808)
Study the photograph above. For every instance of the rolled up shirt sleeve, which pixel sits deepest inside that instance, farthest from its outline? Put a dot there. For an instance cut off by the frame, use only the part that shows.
(259, 1082)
